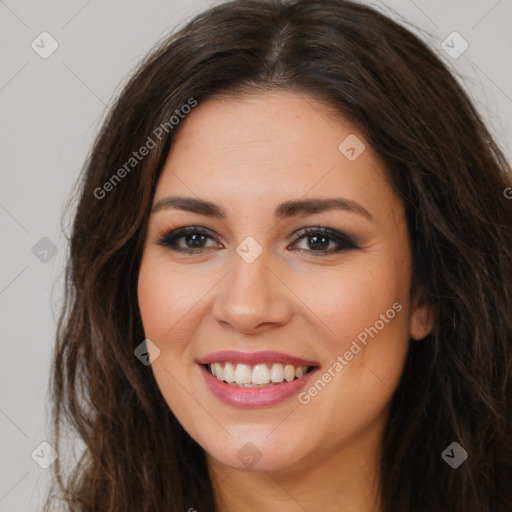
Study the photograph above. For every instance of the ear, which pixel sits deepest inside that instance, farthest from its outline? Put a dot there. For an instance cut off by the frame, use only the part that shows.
(422, 318)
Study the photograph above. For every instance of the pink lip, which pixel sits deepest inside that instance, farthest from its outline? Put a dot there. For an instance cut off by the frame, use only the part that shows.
(255, 397)
(233, 356)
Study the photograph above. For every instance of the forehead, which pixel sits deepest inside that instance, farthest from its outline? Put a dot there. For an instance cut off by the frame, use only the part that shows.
(259, 150)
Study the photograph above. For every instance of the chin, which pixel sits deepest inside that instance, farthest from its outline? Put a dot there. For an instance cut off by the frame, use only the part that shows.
(257, 452)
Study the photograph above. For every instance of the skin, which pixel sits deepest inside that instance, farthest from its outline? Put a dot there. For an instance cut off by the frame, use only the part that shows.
(248, 154)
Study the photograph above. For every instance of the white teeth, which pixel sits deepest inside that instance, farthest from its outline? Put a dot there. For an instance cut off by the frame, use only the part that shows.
(243, 374)
(259, 375)
(289, 372)
(219, 372)
(229, 372)
(277, 372)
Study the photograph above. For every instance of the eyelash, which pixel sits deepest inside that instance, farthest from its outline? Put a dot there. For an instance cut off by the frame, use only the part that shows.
(344, 242)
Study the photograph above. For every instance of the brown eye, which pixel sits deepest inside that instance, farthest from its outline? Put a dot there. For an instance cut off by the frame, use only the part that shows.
(319, 240)
(194, 239)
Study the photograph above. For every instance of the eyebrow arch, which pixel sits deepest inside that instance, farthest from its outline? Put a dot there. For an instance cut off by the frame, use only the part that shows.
(284, 210)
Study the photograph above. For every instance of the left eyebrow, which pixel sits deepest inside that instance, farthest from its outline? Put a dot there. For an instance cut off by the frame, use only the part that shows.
(318, 205)
(283, 210)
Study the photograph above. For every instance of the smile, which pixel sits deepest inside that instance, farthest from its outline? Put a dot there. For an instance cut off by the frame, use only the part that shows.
(259, 379)
(259, 375)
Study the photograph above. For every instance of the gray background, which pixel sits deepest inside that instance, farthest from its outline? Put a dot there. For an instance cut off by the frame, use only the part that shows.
(51, 109)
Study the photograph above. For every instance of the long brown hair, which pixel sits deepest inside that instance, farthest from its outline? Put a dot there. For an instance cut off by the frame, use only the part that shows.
(440, 159)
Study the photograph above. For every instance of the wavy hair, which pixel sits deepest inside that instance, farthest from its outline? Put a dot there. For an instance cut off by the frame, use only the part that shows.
(440, 159)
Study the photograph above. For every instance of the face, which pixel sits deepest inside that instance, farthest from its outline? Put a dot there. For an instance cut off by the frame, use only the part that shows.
(264, 289)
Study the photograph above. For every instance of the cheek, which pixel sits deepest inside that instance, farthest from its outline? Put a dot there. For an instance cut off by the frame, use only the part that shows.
(367, 310)
(154, 301)
(166, 297)
(357, 296)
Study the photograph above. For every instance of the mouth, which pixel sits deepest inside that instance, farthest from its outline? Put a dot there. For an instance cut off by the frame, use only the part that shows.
(260, 375)
(259, 379)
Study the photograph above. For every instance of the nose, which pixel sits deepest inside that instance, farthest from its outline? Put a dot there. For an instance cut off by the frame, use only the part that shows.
(253, 297)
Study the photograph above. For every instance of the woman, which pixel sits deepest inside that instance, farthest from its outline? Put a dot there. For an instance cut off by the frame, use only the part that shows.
(289, 281)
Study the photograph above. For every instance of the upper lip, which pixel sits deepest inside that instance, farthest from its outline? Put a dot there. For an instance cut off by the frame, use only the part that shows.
(252, 358)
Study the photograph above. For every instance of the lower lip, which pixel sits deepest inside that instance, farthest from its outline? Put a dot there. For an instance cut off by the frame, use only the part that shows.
(254, 397)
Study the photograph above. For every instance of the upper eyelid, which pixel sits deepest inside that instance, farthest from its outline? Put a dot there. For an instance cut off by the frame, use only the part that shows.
(213, 234)
(296, 236)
